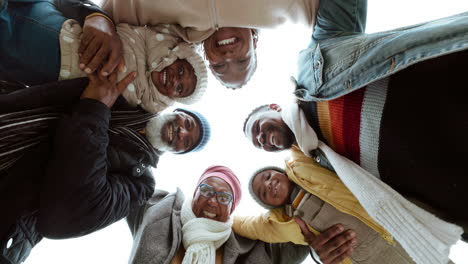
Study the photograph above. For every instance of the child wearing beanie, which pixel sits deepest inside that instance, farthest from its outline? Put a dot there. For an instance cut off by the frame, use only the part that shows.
(168, 69)
(317, 196)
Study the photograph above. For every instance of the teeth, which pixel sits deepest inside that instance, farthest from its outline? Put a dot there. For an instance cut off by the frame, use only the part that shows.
(226, 41)
(165, 77)
(209, 214)
(170, 133)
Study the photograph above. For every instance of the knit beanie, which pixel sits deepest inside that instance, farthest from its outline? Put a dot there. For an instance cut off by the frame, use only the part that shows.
(228, 176)
(252, 193)
(205, 130)
(187, 52)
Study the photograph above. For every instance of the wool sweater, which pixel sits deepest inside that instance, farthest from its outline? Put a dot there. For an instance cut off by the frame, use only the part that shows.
(145, 49)
(350, 125)
(198, 19)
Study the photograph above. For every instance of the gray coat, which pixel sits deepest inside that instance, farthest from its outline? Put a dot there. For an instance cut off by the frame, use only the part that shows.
(157, 232)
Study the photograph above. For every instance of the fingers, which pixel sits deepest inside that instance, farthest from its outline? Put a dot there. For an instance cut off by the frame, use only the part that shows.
(338, 247)
(115, 59)
(330, 233)
(89, 54)
(85, 40)
(308, 235)
(122, 85)
(99, 57)
(342, 252)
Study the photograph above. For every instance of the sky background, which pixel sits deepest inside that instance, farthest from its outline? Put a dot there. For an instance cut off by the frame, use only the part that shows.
(227, 109)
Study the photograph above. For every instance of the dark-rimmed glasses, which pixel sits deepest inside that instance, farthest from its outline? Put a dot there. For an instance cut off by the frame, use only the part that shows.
(208, 192)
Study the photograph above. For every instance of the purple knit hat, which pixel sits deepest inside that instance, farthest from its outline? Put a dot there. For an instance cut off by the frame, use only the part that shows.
(228, 176)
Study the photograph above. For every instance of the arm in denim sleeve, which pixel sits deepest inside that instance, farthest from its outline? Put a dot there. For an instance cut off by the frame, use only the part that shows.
(78, 9)
(339, 18)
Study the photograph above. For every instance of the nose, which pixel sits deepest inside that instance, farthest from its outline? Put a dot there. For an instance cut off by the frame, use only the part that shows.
(228, 55)
(183, 132)
(212, 200)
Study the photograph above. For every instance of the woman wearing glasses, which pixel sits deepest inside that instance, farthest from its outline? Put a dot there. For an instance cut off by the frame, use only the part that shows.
(168, 229)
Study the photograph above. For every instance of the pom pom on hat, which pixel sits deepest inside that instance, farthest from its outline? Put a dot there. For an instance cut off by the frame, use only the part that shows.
(228, 176)
(252, 193)
(205, 130)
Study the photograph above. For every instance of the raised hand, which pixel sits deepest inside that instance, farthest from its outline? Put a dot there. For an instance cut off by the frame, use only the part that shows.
(106, 89)
(100, 46)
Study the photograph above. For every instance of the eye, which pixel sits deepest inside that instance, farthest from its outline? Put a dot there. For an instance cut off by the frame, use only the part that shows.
(218, 67)
(179, 89)
(243, 61)
(187, 124)
(181, 71)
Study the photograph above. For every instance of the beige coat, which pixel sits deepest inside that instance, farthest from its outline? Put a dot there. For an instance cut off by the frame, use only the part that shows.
(200, 18)
(145, 49)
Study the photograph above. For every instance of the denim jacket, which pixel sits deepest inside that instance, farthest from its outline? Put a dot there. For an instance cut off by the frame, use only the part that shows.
(342, 58)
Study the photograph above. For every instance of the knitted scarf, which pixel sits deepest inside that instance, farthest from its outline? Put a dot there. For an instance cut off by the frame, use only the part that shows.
(202, 236)
(426, 238)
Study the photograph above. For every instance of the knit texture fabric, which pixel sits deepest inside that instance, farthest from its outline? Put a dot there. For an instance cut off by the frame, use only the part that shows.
(205, 130)
(426, 238)
(202, 236)
(145, 49)
(350, 125)
(252, 193)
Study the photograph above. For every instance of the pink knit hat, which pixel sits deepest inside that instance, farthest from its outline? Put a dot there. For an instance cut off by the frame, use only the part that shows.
(228, 176)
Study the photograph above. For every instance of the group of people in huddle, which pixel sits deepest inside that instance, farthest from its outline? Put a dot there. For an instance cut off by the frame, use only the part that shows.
(377, 136)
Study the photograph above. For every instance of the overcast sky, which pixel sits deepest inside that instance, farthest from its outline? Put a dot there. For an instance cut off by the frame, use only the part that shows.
(226, 109)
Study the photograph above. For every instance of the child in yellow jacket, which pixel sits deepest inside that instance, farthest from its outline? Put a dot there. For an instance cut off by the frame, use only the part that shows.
(317, 196)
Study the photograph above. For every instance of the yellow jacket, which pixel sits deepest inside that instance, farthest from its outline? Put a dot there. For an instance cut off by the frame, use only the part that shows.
(276, 227)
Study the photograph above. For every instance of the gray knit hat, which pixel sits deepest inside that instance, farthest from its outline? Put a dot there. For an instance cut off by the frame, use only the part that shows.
(252, 193)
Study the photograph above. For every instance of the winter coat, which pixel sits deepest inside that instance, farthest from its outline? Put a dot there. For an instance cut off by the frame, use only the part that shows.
(198, 19)
(330, 203)
(157, 231)
(77, 181)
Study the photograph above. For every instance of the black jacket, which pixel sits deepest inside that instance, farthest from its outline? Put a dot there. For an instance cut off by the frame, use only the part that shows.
(78, 181)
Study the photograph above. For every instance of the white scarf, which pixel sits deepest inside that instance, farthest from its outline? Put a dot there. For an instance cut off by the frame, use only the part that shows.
(426, 238)
(202, 236)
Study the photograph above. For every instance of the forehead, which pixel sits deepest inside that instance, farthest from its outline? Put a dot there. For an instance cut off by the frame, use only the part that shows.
(261, 115)
(218, 184)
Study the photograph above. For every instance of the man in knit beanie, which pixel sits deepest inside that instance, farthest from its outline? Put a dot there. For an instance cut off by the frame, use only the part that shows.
(181, 131)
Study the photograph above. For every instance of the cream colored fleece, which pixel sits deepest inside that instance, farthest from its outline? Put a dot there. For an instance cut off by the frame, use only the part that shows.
(198, 19)
(146, 49)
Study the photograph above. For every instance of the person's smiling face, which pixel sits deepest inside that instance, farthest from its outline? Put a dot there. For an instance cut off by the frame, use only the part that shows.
(209, 207)
(272, 187)
(176, 80)
(231, 55)
(182, 133)
(267, 130)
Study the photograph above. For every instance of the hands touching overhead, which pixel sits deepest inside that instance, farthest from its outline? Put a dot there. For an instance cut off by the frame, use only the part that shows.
(106, 89)
(100, 46)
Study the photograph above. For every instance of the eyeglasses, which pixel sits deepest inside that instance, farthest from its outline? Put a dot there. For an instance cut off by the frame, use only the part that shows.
(208, 192)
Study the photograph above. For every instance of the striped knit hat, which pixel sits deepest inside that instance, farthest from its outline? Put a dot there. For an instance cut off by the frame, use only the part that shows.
(252, 193)
(205, 130)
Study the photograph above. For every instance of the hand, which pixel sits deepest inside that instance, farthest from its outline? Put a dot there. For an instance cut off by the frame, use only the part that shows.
(333, 245)
(100, 42)
(106, 89)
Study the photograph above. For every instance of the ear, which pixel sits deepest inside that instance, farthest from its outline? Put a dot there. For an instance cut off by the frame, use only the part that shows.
(275, 107)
